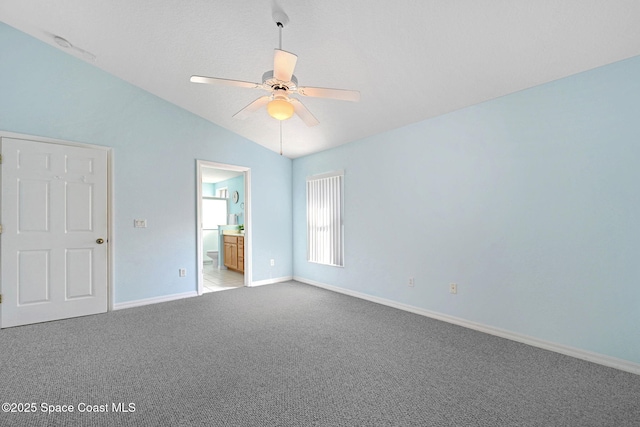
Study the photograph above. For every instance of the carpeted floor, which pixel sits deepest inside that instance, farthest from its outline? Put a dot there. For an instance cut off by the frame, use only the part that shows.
(294, 355)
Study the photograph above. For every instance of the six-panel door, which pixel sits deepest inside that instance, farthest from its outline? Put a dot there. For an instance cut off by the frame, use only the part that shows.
(54, 239)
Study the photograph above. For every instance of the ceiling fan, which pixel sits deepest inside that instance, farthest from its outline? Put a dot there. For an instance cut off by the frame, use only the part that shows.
(282, 84)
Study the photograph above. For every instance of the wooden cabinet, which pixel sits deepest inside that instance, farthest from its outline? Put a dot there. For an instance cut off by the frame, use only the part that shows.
(240, 254)
(230, 255)
(234, 252)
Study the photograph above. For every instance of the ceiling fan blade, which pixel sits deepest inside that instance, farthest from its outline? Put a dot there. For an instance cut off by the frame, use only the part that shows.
(254, 106)
(225, 82)
(303, 113)
(283, 64)
(322, 92)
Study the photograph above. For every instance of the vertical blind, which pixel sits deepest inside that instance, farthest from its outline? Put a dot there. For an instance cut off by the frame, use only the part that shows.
(324, 219)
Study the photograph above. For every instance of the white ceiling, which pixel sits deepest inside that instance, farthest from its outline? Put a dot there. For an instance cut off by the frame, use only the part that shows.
(410, 59)
(213, 175)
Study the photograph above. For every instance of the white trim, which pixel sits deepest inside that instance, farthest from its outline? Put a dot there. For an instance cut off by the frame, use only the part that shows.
(271, 281)
(110, 229)
(248, 241)
(326, 175)
(154, 300)
(37, 138)
(110, 199)
(601, 359)
(199, 247)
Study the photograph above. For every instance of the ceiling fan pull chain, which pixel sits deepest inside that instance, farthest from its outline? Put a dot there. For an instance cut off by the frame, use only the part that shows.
(281, 137)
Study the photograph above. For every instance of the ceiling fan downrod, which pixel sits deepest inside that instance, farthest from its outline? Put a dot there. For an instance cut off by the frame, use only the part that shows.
(281, 19)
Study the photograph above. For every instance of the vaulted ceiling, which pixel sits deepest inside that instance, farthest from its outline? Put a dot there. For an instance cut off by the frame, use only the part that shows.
(410, 60)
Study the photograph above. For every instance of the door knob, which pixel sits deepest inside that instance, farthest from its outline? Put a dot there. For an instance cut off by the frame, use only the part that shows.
(100, 241)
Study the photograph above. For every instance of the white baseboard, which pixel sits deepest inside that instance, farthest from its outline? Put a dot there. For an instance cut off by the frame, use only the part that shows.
(271, 281)
(154, 300)
(601, 359)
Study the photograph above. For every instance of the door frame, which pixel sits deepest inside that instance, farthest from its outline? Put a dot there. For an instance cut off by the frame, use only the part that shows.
(247, 220)
(110, 199)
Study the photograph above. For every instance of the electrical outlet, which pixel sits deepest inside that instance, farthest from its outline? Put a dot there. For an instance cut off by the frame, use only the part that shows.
(273, 262)
(411, 282)
(182, 272)
(453, 288)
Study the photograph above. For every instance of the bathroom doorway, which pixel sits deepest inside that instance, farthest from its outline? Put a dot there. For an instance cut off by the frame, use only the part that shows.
(223, 223)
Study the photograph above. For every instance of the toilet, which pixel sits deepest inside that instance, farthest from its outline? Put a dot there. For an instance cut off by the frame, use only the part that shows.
(214, 256)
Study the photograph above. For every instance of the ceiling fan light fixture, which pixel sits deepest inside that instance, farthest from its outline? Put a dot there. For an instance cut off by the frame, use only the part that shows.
(280, 109)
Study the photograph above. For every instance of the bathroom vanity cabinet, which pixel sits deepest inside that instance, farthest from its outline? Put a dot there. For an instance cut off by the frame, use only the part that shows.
(234, 252)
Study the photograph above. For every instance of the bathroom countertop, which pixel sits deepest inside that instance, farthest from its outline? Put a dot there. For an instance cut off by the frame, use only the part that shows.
(232, 233)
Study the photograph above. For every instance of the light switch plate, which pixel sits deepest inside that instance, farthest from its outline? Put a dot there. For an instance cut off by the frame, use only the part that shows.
(140, 223)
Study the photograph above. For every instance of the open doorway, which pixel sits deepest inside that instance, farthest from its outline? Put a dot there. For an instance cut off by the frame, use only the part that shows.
(223, 224)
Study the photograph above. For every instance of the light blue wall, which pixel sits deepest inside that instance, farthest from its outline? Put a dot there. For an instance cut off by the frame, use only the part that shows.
(529, 202)
(46, 92)
(208, 189)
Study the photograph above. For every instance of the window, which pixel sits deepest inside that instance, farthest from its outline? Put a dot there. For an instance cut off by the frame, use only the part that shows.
(214, 212)
(325, 240)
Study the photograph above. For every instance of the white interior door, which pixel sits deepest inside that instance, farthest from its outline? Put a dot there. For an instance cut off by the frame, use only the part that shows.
(53, 246)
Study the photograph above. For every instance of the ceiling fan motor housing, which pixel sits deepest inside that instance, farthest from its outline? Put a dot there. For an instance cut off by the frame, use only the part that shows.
(271, 82)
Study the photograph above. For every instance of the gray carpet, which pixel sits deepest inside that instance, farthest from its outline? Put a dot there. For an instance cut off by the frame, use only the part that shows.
(294, 355)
